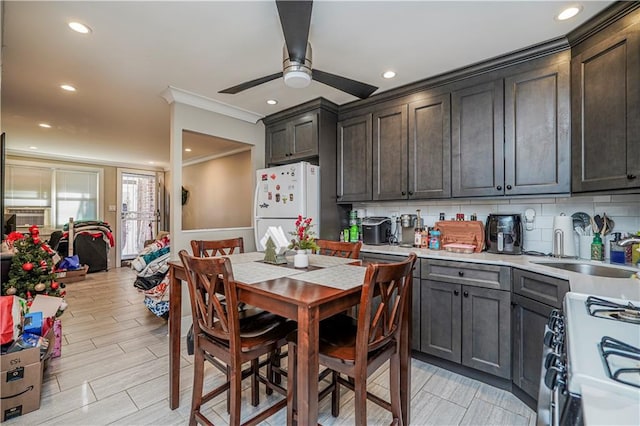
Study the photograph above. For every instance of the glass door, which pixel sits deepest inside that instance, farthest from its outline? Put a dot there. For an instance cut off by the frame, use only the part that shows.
(139, 214)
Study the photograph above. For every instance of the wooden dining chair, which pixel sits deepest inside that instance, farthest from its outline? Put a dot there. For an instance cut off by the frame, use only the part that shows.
(358, 347)
(339, 248)
(212, 248)
(221, 336)
(207, 248)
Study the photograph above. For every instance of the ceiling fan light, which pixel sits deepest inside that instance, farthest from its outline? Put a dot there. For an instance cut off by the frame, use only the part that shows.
(297, 79)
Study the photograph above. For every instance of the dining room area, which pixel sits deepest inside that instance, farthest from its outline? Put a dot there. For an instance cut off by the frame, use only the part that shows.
(123, 365)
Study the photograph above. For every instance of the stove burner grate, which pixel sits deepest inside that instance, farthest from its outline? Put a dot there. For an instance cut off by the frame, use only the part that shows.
(620, 360)
(603, 308)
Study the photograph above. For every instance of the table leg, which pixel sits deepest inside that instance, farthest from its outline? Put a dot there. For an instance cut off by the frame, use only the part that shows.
(175, 317)
(308, 365)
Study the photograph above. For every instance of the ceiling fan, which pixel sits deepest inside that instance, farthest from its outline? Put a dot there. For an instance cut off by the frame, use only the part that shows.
(295, 18)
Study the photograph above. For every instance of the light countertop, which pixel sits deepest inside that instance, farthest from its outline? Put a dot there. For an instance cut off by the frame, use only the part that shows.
(621, 288)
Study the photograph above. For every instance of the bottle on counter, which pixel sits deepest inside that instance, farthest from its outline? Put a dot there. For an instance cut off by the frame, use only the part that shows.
(435, 240)
(424, 238)
(417, 241)
(354, 231)
(597, 248)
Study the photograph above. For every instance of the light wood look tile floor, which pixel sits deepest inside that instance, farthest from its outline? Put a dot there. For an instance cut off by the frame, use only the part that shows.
(114, 370)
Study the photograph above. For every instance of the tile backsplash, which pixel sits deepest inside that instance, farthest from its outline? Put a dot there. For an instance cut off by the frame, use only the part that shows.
(623, 209)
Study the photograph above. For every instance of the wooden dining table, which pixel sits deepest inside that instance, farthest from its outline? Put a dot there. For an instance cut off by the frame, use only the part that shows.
(328, 286)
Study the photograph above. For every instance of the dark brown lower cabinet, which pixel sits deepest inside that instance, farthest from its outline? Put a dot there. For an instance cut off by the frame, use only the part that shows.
(529, 319)
(468, 325)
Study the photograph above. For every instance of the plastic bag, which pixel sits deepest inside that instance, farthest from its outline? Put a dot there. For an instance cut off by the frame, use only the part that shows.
(70, 263)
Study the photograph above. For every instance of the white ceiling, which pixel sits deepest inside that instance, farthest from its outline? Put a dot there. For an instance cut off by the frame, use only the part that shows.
(137, 49)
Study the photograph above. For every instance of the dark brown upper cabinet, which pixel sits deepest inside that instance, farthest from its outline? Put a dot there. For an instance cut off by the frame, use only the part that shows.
(477, 140)
(354, 159)
(390, 153)
(605, 81)
(429, 156)
(293, 140)
(537, 155)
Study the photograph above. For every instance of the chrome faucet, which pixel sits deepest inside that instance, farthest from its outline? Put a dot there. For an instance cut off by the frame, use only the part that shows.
(628, 241)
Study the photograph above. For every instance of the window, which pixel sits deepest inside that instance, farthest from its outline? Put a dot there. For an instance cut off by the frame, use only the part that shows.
(58, 192)
(76, 196)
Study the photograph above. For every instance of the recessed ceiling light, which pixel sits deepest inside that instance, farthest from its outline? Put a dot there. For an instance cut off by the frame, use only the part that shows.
(272, 101)
(151, 162)
(187, 149)
(45, 125)
(33, 147)
(79, 28)
(68, 87)
(568, 13)
(389, 74)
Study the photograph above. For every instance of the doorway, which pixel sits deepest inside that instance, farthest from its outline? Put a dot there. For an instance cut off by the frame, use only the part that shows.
(138, 211)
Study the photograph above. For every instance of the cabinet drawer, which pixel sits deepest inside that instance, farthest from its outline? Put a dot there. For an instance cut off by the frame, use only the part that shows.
(488, 276)
(541, 288)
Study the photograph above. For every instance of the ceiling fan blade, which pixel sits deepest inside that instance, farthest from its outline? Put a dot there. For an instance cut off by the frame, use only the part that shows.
(295, 18)
(352, 87)
(252, 83)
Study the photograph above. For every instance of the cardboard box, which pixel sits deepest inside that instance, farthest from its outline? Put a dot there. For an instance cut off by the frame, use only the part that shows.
(72, 276)
(20, 383)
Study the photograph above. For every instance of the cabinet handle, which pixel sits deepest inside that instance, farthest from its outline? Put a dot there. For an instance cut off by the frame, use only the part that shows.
(499, 188)
(410, 192)
(508, 186)
(460, 274)
(456, 293)
(631, 177)
(465, 294)
(403, 193)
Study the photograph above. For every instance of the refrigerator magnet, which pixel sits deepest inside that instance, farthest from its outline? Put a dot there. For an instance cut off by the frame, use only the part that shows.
(277, 198)
(273, 176)
(270, 196)
(277, 187)
(263, 176)
(290, 197)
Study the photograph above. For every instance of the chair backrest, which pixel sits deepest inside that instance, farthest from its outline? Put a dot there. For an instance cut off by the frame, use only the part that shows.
(210, 248)
(206, 277)
(377, 325)
(339, 248)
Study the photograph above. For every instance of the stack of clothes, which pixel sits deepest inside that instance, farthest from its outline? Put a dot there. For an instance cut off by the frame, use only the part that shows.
(92, 240)
(153, 279)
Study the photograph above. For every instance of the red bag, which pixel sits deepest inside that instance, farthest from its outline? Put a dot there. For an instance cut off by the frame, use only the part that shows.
(12, 310)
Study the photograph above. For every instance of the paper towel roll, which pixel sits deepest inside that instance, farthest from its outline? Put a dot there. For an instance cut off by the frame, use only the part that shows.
(565, 225)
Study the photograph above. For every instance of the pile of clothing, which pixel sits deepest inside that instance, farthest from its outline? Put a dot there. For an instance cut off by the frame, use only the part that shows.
(92, 240)
(152, 268)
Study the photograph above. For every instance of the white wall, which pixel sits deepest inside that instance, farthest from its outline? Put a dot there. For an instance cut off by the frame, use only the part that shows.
(623, 209)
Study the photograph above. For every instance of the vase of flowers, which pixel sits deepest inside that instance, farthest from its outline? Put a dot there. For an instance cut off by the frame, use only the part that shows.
(303, 241)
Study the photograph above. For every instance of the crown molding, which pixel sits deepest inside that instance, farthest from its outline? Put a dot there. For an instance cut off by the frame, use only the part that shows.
(85, 161)
(214, 157)
(173, 94)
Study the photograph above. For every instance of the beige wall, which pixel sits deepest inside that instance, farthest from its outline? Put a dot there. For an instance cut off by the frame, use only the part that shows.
(220, 193)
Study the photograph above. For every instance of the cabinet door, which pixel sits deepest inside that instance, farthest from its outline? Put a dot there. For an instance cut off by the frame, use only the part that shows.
(430, 148)
(606, 114)
(304, 136)
(354, 159)
(278, 143)
(390, 153)
(486, 330)
(537, 143)
(528, 321)
(477, 142)
(440, 320)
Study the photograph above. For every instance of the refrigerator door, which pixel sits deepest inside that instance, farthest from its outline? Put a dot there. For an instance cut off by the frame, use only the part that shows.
(288, 225)
(287, 191)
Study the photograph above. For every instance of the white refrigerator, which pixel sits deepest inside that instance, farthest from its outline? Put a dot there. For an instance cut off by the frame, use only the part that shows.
(283, 193)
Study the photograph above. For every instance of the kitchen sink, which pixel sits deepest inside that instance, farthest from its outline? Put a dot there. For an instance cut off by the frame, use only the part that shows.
(590, 269)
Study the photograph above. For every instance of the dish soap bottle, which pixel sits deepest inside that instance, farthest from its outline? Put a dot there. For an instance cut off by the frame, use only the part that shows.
(597, 252)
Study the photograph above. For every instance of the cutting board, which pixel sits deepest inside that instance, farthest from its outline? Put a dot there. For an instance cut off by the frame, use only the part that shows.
(462, 232)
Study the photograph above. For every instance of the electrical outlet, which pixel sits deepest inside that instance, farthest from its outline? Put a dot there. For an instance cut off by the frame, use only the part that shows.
(112, 207)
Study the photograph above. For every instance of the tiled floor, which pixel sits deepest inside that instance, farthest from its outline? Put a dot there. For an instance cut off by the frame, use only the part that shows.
(114, 365)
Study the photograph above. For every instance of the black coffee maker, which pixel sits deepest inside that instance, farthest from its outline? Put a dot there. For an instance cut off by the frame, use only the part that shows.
(504, 233)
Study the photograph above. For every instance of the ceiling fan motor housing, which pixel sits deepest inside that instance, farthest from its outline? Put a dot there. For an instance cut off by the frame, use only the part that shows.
(296, 74)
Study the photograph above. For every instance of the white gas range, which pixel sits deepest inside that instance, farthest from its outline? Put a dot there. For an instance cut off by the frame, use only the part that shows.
(593, 373)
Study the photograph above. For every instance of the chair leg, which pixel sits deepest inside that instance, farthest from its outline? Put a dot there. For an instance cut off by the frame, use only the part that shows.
(270, 373)
(394, 387)
(255, 391)
(361, 401)
(228, 390)
(198, 380)
(335, 395)
(292, 400)
(235, 390)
